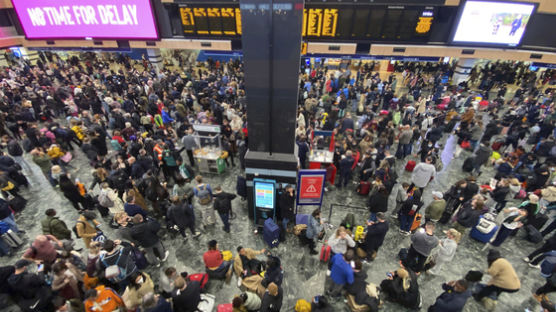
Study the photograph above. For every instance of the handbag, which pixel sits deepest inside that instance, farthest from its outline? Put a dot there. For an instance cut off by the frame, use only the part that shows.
(67, 157)
(465, 144)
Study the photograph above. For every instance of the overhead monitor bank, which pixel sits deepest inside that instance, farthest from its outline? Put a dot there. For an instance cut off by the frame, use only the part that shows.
(492, 23)
(86, 19)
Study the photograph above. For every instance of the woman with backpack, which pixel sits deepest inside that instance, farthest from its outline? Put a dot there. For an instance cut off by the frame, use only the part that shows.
(203, 192)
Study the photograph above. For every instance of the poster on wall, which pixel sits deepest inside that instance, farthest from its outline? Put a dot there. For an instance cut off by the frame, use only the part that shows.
(493, 23)
(310, 186)
(86, 19)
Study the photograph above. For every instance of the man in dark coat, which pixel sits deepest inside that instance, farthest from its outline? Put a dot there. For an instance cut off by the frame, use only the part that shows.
(287, 209)
(376, 231)
(482, 155)
(182, 215)
(223, 205)
(345, 169)
(30, 290)
(187, 296)
(145, 233)
(453, 298)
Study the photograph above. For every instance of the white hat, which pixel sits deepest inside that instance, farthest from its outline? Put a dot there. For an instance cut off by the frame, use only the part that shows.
(437, 194)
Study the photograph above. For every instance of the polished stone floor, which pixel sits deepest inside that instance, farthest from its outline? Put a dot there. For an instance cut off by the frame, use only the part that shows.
(304, 276)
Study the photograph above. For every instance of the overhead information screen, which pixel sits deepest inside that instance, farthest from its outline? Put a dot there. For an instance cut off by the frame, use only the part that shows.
(360, 22)
(492, 23)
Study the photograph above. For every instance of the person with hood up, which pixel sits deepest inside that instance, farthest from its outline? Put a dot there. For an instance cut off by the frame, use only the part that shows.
(454, 297)
(503, 277)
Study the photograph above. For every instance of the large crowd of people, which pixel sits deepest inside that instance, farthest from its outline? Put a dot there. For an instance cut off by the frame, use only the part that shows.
(133, 123)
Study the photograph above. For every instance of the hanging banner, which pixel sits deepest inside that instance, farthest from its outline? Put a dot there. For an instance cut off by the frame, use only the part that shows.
(310, 186)
(86, 19)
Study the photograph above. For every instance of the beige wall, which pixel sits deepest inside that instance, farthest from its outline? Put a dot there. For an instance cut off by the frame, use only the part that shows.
(480, 53)
(218, 45)
(323, 48)
(6, 4)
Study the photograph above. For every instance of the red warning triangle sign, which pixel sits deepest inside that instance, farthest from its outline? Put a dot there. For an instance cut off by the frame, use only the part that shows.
(311, 189)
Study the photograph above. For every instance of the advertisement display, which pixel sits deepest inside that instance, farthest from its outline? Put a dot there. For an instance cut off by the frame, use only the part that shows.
(89, 19)
(310, 186)
(492, 23)
(264, 194)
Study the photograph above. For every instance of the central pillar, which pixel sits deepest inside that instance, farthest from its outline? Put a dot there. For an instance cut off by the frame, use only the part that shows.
(271, 43)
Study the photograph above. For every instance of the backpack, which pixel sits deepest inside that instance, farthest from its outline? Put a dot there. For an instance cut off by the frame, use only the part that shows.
(548, 265)
(75, 228)
(14, 149)
(114, 273)
(104, 200)
(204, 195)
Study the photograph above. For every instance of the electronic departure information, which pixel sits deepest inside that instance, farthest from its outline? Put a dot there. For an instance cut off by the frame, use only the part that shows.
(410, 23)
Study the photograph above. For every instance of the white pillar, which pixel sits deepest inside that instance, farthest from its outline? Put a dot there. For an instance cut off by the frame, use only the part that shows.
(31, 55)
(155, 58)
(463, 68)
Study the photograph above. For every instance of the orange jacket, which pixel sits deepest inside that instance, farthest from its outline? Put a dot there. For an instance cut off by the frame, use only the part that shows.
(106, 301)
(158, 150)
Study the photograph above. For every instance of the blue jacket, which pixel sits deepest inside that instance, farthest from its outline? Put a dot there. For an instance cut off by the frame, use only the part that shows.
(450, 301)
(132, 209)
(166, 118)
(341, 272)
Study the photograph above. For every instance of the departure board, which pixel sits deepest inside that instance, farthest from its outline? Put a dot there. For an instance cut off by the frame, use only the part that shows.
(357, 22)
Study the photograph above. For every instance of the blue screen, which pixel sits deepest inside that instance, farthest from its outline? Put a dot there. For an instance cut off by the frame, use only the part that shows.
(264, 195)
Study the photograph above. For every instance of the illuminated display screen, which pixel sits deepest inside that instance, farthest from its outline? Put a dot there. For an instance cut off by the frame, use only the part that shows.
(264, 194)
(339, 21)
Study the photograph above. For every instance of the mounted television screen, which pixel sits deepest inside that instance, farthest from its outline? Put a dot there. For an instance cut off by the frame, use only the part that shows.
(492, 23)
(86, 19)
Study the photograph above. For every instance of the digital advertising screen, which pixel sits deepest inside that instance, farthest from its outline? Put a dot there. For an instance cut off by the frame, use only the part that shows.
(264, 194)
(492, 23)
(86, 19)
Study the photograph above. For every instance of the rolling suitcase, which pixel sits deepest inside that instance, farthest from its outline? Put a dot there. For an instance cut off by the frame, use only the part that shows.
(17, 203)
(364, 188)
(301, 219)
(416, 222)
(410, 165)
(325, 253)
(485, 229)
(271, 233)
(12, 239)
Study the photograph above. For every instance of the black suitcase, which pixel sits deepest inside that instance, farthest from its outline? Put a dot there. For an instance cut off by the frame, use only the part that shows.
(17, 203)
(468, 164)
(241, 187)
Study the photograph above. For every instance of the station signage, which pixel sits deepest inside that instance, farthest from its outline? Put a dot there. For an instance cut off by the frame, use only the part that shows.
(86, 19)
(310, 186)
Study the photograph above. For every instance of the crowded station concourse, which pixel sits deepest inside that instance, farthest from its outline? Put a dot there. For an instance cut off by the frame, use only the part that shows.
(106, 203)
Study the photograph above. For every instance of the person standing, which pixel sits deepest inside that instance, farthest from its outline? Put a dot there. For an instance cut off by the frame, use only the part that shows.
(376, 231)
(223, 205)
(422, 243)
(404, 142)
(453, 298)
(203, 191)
(341, 273)
(314, 228)
(287, 203)
(182, 215)
(145, 233)
(7, 216)
(422, 174)
(54, 226)
(345, 169)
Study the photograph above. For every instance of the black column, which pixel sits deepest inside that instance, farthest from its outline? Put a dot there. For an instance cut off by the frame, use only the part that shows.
(271, 41)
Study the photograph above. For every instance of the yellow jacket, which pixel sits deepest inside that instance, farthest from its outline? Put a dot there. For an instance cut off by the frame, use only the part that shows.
(78, 132)
(55, 152)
